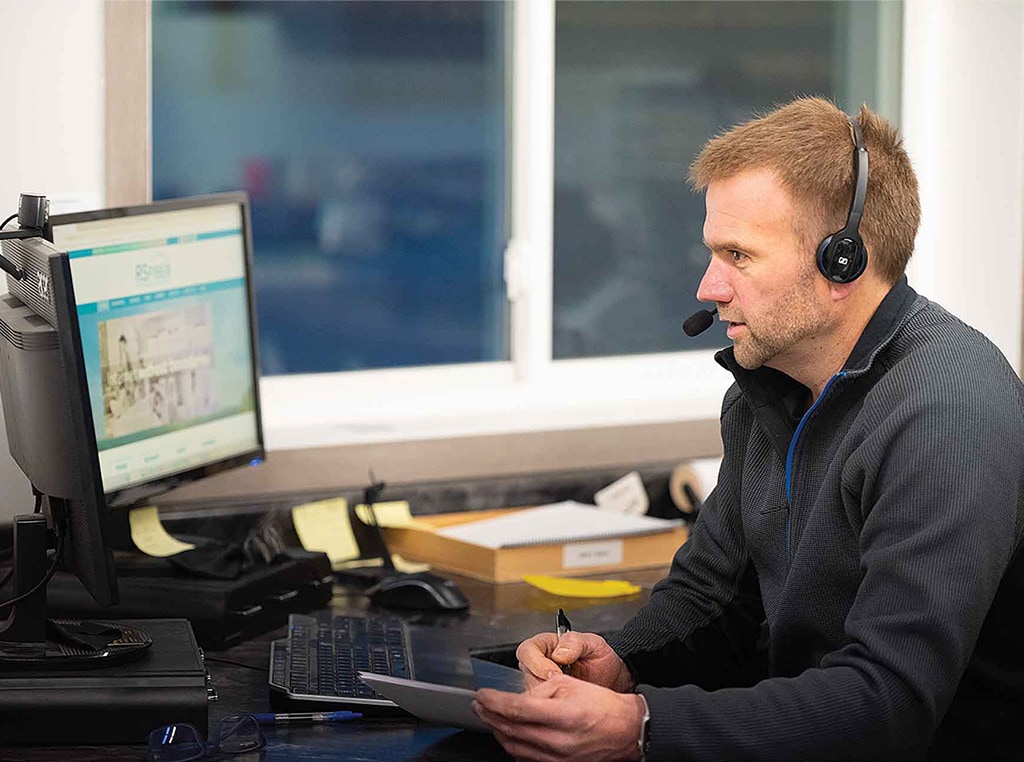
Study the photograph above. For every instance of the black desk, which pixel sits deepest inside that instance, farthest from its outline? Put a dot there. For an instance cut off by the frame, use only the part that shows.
(498, 615)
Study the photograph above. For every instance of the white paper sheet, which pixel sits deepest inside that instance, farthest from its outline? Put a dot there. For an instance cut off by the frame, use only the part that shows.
(437, 704)
(557, 523)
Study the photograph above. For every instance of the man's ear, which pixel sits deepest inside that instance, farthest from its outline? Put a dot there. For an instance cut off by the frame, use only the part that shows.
(842, 291)
(870, 282)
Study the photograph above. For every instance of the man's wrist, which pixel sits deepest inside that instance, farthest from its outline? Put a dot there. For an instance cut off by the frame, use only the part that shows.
(643, 742)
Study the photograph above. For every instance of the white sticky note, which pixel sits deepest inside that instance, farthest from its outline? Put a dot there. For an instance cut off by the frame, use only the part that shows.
(627, 495)
(149, 534)
(324, 526)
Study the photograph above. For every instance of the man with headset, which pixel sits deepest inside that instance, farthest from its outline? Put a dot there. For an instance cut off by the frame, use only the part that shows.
(864, 537)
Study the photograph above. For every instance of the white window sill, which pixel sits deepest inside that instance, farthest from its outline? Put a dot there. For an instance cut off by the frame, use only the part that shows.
(452, 401)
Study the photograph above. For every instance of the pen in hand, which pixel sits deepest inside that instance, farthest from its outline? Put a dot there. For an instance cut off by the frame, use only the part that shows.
(280, 719)
(562, 626)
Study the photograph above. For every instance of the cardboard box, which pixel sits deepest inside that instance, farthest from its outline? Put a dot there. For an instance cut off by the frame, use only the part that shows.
(510, 564)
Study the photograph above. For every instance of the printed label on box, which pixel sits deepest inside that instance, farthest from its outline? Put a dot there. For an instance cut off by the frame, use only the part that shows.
(577, 555)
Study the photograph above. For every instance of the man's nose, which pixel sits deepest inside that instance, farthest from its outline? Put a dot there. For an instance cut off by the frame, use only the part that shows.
(714, 286)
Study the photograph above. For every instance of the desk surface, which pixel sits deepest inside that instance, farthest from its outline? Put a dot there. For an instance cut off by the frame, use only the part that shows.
(498, 615)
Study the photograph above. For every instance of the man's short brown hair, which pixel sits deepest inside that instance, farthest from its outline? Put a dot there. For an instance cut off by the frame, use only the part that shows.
(808, 144)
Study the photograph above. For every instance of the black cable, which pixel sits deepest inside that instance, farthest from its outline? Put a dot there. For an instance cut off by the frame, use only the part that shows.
(222, 660)
(39, 507)
(7, 220)
(49, 572)
(370, 496)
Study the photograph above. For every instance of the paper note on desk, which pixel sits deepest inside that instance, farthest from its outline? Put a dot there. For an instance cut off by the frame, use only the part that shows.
(401, 565)
(554, 524)
(627, 495)
(324, 526)
(391, 515)
(149, 534)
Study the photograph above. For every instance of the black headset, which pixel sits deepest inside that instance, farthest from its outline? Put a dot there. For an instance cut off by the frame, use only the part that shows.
(842, 257)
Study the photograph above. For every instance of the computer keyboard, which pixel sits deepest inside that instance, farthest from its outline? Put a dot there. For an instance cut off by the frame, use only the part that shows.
(318, 663)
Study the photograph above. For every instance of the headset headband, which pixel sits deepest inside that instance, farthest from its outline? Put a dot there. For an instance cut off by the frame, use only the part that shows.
(860, 174)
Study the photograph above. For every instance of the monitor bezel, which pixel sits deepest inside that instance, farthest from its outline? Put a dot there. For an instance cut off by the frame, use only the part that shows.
(133, 495)
(91, 480)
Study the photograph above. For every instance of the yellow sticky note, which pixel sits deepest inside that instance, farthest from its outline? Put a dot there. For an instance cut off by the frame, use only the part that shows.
(391, 515)
(581, 588)
(401, 565)
(324, 526)
(408, 567)
(149, 534)
(357, 563)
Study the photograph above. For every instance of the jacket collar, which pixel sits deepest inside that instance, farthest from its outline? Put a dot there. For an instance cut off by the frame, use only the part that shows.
(779, 400)
(883, 324)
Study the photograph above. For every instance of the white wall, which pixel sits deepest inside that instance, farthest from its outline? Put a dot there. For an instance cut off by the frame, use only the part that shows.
(963, 123)
(51, 133)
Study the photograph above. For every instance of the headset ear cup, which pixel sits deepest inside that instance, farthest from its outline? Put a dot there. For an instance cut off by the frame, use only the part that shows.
(842, 260)
(823, 256)
(860, 261)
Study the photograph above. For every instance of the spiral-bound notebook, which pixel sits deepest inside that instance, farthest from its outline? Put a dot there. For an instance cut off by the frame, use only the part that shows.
(557, 523)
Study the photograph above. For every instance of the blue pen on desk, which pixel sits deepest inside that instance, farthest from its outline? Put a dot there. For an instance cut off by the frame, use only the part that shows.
(562, 626)
(281, 719)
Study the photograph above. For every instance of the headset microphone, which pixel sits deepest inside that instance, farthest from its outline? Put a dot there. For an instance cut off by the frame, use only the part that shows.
(699, 322)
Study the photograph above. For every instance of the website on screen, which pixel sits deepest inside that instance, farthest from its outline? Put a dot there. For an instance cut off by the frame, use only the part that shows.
(163, 317)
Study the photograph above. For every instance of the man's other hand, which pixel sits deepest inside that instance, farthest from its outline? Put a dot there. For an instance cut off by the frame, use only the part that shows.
(564, 719)
(587, 656)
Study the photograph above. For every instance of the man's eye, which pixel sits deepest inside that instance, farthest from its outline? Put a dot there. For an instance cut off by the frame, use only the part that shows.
(737, 256)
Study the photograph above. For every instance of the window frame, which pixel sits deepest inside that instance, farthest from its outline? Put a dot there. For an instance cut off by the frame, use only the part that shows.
(531, 392)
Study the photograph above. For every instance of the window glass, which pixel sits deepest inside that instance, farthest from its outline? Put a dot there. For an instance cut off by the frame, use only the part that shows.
(371, 139)
(639, 88)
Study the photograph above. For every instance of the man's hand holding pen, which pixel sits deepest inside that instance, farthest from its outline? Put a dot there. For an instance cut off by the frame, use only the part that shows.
(587, 656)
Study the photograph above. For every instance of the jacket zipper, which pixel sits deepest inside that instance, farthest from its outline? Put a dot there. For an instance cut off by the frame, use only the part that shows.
(792, 451)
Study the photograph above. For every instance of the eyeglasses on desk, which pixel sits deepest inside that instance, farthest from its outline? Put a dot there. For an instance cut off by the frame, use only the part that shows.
(181, 742)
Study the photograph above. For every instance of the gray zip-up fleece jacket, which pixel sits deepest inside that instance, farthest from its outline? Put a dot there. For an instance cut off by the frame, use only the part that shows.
(878, 536)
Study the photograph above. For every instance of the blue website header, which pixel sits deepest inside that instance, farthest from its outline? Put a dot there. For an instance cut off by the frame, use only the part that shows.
(136, 245)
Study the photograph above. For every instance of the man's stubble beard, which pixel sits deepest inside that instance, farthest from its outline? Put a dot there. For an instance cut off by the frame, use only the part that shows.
(795, 316)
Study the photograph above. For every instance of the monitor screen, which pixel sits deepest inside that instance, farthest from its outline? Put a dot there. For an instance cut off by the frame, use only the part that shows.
(165, 320)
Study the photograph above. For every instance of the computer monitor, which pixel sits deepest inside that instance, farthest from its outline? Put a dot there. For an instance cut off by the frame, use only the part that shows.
(164, 304)
(127, 366)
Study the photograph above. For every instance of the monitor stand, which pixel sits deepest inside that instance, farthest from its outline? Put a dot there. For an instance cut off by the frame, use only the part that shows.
(31, 642)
